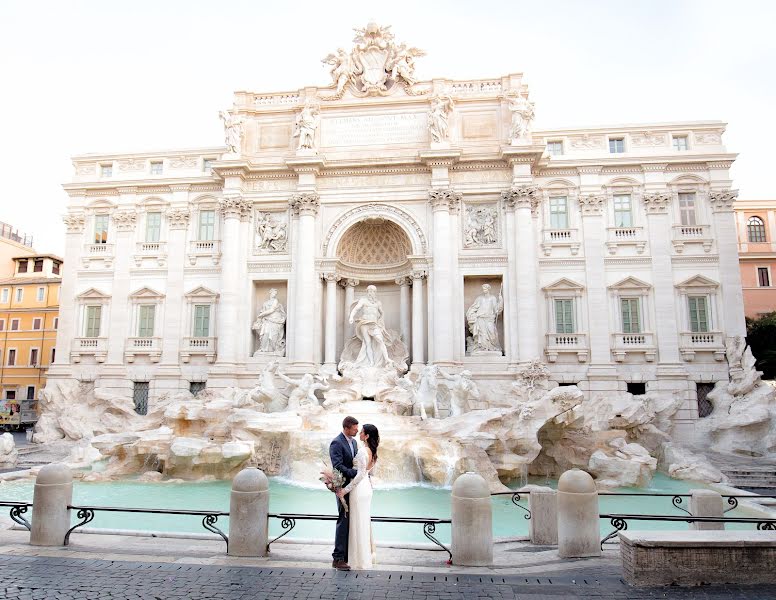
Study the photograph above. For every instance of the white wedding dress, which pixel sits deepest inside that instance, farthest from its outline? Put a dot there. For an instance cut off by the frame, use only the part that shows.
(360, 546)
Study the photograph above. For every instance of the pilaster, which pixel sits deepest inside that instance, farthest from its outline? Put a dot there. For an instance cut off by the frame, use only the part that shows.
(729, 269)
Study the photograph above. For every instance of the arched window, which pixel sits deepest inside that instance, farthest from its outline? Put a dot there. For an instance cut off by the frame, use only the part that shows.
(755, 229)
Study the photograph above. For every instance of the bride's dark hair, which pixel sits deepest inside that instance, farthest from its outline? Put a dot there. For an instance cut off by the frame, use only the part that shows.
(373, 439)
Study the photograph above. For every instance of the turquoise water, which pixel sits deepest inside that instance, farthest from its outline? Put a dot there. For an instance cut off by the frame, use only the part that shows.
(413, 501)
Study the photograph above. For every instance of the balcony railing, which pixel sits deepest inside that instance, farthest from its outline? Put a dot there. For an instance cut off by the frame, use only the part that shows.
(558, 343)
(198, 346)
(707, 341)
(624, 343)
(560, 237)
(625, 236)
(205, 248)
(89, 346)
(98, 249)
(691, 234)
(148, 346)
(151, 248)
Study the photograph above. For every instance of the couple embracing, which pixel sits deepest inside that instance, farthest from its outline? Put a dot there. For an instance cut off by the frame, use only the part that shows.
(353, 543)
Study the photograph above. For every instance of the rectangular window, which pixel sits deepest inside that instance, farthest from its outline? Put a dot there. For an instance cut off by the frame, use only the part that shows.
(53, 354)
(145, 324)
(22, 266)
(559, 218)
(36, 323)
(19, 294)
(93, 319)
(157, 168)
(4, 295)
(207, 225)
(207, 165)
(41, 294)
(10, 395)
(201, 320)
(11, 357)
(140, 396)
(14, 324)
(153, 226)
(554, 148)
(195, 387)
(37, 266)
(33, 357)
(687, 209)
(30, 392)
(763, 277)
(623, 213)
(699, 314)
(56, 322)
(101, 229)
(616, 145)
(680, 142)
(631, 317)
(106, 170)
(2, 324)
(564, 315)
(55, 268)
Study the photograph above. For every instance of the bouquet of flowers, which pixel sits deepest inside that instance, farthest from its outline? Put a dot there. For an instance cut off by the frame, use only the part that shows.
(334, 482)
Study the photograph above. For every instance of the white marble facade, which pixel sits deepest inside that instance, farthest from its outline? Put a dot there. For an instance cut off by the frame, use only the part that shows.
(614, 248)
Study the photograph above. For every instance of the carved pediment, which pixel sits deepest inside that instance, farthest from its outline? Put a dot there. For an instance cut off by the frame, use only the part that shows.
(697, 283)
(563, 284)
(201, 293)
(92, 294)
(146, 293)
(631, 284)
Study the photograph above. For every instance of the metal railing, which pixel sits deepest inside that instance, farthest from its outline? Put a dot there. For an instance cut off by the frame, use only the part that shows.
(16, 512)
(515, 499)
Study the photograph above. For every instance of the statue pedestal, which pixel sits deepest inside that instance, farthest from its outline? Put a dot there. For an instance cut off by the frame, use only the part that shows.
(486, 353)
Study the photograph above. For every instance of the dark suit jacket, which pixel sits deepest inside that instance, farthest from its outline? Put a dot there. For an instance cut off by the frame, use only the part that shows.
(341, 457)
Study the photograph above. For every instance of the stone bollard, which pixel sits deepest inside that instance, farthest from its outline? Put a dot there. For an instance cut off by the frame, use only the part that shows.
(579, 534)
(706, 503)
(543, 525)
(472, 521)
(50, 515)
(248, 511)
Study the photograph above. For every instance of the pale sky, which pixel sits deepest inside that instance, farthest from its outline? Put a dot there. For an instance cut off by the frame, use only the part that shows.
(108, 76)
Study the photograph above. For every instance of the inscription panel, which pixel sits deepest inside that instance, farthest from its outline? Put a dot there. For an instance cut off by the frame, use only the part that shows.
(368, 130)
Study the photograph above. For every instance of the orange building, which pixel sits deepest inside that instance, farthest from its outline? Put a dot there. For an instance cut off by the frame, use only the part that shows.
(756, 221)
(29, 317)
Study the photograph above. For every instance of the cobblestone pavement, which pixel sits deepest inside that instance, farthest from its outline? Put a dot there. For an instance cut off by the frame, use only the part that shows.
(29, 577)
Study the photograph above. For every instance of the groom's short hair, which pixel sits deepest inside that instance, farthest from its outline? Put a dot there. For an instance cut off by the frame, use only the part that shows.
(349, 422)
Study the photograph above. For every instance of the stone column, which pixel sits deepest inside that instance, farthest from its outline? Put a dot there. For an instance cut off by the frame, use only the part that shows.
(443, 349)
(579, 534)
(418, 322)
(330, 334)
(472, 521)
(511, 349)
(306, 205)
(404, 310)
(706, 503)
(350, 297)
(174, 329)
(232, 209)
(729, 270)
(248, 508)
(50, 515)
(525, 200)
(68, 317)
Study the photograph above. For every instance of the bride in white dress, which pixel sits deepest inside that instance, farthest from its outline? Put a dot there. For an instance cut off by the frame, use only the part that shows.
(360, 541)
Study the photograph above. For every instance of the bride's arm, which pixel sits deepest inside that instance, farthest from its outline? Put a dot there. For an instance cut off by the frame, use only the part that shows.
(362, 472)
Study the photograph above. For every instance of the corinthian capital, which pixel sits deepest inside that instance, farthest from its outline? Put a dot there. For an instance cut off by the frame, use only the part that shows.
(591, 204)
(235, 207)
(722, 200)
(522, 196)
(305, 203)
(657, 203)
(178, 218)
(125, 220)
(447, 199)
(74, 222)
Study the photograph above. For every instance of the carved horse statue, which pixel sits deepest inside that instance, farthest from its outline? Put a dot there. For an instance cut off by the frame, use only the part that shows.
(426, 393)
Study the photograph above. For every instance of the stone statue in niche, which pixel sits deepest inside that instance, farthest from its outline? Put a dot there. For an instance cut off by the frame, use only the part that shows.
(271, 233)
(481, 317)
(270, 326)
(481, 226)
(303, 391)
(439, 118)
(373, 345)
(233, 131)
(522, 115)
(462, 389)
(306, 125)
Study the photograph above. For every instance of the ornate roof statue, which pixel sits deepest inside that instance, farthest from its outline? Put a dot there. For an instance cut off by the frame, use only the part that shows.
(375, 65)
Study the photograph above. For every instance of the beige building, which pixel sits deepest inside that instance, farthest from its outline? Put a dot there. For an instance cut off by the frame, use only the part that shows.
(756, 222)
(12, 244)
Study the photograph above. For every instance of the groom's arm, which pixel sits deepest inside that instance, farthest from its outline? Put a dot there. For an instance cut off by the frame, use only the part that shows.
(336, 453)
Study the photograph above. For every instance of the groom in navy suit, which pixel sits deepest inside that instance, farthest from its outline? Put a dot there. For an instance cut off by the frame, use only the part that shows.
(342, 451)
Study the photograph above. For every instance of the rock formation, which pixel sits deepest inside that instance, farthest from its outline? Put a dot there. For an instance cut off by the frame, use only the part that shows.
(8, 452)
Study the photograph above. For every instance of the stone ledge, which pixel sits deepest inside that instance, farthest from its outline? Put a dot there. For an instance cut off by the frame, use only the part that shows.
(698, 539)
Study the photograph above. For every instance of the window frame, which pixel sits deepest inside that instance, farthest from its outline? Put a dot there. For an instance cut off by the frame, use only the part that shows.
(104, 232)
(156, 167)
(106, 170)
(675, 139)
(25, 262)
(759, 229)
(640, 320)
(39, 322)
(36, 351)
(553, 143)
(706, 312)
(554, 214)
(15, 325)
(88, 320)
(684, 210)
(614, 140)
(38, 262)
(616, 211)
(40, 296)
(156, 231)
(767, 270)
(212, 225)
(11, 353)
(141, 327)
(5, 295)
(34, 391)
(19, 294)
(194, 325)
(2, 324)
(572, 314)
